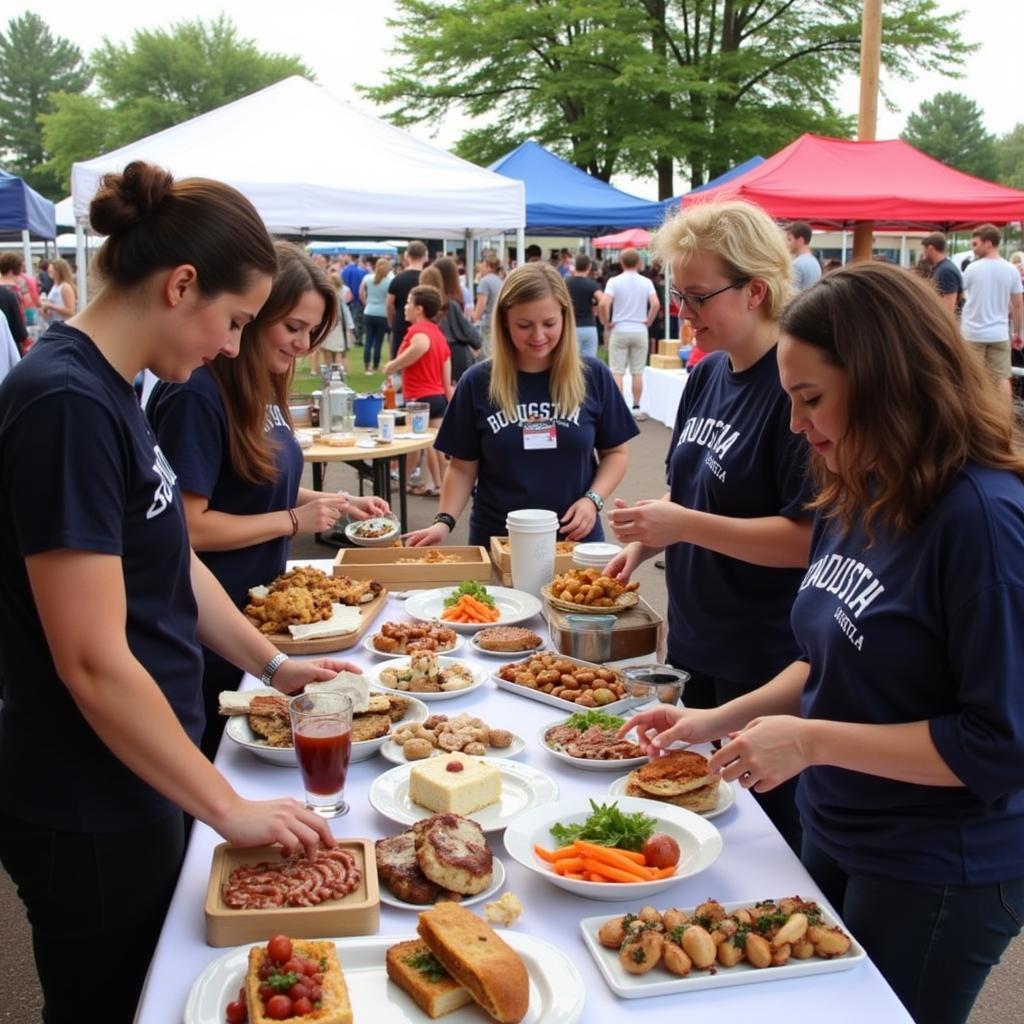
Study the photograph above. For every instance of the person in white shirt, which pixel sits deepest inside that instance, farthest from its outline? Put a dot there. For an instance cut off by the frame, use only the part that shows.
(993, 290)
(806, 268)
(629, 307)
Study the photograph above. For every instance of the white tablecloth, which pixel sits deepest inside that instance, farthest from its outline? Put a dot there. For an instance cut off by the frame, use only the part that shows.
(755, 864)
(662, 392)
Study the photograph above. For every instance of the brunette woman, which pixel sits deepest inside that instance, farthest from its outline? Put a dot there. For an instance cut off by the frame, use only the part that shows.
(463, 338)
(227, 434)
(904, 715)
(103, 605)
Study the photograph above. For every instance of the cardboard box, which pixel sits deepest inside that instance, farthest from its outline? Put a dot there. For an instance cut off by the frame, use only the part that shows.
(502, 558)
(669, 347)
(666, 362)
(386, 565)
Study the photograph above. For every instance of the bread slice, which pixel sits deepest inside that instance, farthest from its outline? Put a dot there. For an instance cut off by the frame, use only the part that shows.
(434, 995)
(677, 772)
(335, 1007)
(476, 957)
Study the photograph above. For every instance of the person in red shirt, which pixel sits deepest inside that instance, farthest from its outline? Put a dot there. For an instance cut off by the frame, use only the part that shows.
(426, 364)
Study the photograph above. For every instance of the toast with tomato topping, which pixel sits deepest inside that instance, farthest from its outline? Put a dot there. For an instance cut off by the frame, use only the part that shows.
(333, 1006)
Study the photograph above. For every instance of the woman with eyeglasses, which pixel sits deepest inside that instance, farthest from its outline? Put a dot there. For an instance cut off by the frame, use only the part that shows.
(733, 525)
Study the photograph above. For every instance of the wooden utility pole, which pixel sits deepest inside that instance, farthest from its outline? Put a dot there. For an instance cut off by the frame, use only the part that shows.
(867, 123)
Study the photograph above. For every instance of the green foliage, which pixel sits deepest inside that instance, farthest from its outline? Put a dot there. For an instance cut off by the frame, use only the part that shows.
(645, 85)
(163, 77)
(1010, 151)
(949, 127)
(33, 64)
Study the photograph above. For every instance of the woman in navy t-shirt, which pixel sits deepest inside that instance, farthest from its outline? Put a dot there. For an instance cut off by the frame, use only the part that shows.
(733, 524)
(103, 605)
(904, 716)
(535, 426)
(227, 434)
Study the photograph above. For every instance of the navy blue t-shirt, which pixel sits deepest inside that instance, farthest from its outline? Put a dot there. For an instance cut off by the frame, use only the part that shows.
(925, 626)
(510, 478)
(80, 469)
(733, 454)
(191, 424)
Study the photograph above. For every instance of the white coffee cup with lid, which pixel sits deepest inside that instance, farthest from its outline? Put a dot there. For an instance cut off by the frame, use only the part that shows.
(532, 533)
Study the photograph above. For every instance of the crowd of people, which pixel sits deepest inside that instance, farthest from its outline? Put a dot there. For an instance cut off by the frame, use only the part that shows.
(842, 528)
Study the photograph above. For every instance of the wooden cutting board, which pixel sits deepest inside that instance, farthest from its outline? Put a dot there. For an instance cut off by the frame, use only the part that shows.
(327, 644)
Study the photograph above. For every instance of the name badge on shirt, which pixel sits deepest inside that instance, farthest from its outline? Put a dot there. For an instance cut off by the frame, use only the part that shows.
(539, 434)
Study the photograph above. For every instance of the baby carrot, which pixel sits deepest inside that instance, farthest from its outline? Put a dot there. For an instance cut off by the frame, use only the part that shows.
(585, 847)
(665, 872)
(562, 853)
(603, 855)
(609, 873)
(568, 864)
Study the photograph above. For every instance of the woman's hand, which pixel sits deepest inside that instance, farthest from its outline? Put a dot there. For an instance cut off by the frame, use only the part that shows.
(429, 537)
(579, 519)
(366, 508)
(624, 564)
(389, 368)
(653, 523)
(765, 753)
(284, 821)
(321, 513)
(659, 727)
(293, 674)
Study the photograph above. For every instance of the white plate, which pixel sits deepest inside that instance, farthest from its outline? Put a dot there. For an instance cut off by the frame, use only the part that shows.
(522, 788)
(588, 764)
(699, 841)
(659, 982)
(384, 541)
(391, 751)
(239, 731)
(497, 881)
(479, 678)
(557, 993)
(508, 655)
(618, 707)
(514, 606)
(368, 646)
(726, 796)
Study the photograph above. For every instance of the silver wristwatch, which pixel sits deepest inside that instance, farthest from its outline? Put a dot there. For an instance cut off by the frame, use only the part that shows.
(595, 498)
(271, 668)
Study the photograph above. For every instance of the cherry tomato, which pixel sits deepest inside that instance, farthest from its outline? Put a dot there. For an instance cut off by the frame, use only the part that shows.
(291, 967)
(661, 851)
(266, 991)
(298, 991)
(279, 949)
(279, 1007)
(314, 993)
(317, 976)
(302, 1006)
(265, 971)
(237, 1013)
(310, 967)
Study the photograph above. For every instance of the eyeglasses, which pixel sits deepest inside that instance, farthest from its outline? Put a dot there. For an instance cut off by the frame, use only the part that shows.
(694, 303)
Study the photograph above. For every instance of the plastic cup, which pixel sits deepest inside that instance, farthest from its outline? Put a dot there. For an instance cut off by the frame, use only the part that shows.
(386, 426)
(531, 546)
(322, 733)
(590, 637)
(662, 683)
(419, 416)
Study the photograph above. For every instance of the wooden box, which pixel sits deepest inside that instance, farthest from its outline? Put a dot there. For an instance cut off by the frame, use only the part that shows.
(637, 632)
(502, 558)
(669, 347)
(358, 913)
(672, 362)
(386, 565)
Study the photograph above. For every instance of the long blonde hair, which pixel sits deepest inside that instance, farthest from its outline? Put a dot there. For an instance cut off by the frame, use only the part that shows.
(529, 283)
(381, 269)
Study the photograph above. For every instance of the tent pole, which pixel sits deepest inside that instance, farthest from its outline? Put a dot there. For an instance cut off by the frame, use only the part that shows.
(80, 268)
(904, 254)
(845, 242)
(26, 249)
(520, 245)
(470, 264)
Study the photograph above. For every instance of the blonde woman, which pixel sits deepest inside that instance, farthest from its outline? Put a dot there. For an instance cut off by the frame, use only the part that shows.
(734, 524)
(61, 301)
(535, 426)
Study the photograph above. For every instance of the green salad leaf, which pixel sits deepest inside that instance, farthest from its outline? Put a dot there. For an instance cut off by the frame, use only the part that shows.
(474, 589)
(583, 720)
(608, 826)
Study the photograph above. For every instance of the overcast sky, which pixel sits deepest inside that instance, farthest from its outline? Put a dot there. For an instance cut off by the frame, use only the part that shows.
(345, 41)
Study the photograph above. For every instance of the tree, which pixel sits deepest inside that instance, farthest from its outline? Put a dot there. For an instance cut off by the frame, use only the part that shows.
(33, 64)
(1010, 150)
(645, 85)
(949, 127)
(164, 77)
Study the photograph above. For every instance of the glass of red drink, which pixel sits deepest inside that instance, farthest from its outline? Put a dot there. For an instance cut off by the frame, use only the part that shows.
(322, 733)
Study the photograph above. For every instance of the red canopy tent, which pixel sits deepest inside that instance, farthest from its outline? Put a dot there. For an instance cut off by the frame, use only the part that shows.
(631, 238)
(834, 182)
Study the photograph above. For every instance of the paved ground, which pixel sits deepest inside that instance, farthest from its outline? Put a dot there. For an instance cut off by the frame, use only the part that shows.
(1001, 1002)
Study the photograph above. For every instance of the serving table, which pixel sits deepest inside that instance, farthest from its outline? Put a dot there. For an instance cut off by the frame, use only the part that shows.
(661, 394)
(755, 864)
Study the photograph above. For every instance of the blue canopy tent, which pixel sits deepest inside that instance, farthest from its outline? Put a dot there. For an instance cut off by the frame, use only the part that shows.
(561, 199)
(733, 172)
(24, 214)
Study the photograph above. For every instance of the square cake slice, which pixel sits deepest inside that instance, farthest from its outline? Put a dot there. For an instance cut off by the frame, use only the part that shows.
(454, 784)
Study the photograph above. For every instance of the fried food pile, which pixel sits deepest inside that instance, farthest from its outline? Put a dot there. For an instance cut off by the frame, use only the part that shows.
(432, 556)
(303, 595)
(439, 732)
(410, 637)
(269, 718)
(587, 685)
(589, 587)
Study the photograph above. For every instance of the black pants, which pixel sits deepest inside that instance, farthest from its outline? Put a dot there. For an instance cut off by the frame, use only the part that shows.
(96, 903)
(707, 691)
(934, 944)
(218, 675)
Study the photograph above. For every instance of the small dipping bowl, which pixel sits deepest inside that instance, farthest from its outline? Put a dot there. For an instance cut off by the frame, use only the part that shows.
(662, 683)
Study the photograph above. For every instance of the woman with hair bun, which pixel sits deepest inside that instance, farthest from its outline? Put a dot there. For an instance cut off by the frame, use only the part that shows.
(227, 433)
(733, 524)
(103, 605)
(534, 426)
(904, 715)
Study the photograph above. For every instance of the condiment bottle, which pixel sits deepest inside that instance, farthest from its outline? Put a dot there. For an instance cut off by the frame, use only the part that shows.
(389, 394)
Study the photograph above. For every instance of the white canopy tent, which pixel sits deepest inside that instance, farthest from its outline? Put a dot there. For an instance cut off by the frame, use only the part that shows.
(313, 165)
